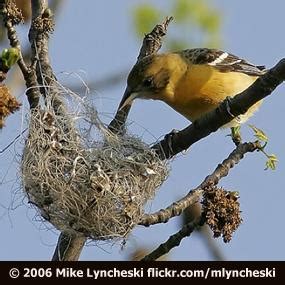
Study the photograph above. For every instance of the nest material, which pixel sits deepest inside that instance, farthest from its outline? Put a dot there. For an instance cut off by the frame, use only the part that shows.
(94, 189)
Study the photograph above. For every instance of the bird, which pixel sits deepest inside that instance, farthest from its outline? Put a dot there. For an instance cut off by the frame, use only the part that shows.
(193, 82)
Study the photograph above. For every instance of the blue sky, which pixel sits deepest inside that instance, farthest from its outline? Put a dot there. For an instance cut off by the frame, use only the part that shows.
(94, 39)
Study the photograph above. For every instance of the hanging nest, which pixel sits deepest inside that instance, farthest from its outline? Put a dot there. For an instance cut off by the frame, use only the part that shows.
(84, 179)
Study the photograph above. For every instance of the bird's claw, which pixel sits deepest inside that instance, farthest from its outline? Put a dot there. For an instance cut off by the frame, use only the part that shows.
(228, 108)
(168, 139)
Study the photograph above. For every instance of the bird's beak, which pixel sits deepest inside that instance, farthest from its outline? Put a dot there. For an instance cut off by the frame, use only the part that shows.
(128, 98)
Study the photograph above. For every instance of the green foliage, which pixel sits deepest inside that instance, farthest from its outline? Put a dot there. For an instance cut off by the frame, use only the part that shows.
(235, 131)
(197, 23)
(259, 134)
(262, 137)
(9, 57)
(271, 162)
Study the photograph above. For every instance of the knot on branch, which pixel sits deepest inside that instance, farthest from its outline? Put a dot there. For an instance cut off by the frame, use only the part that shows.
(11, 12)
(221, 210)
(43, 24)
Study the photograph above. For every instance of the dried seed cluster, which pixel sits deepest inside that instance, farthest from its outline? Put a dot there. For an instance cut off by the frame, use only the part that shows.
(222, 211)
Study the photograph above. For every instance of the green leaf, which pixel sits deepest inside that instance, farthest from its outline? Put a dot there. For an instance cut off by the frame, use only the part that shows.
(259, 134)
(271, 162)
(9, 57)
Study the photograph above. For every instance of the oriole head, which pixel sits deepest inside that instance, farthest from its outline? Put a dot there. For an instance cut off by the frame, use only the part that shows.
(147, 79)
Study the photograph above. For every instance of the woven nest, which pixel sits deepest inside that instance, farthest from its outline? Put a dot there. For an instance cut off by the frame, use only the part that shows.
(96, 188)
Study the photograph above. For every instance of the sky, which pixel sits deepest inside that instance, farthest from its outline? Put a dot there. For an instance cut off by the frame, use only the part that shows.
(95, 39)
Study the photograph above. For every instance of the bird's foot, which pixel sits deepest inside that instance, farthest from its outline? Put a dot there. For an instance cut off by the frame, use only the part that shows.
(228, 108)
(236, 135)
(168, 139)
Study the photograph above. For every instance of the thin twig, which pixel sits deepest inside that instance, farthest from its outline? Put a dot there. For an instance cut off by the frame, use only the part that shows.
(163, 216)
(152, 42)
(174, 143)
(173, 240)
(15, 79)
(13, 141)
(222, 170)
(29, 75)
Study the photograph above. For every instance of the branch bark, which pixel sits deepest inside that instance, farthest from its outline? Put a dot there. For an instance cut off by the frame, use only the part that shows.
(38, 74)
(222, 170)
(15, 79)
(192, 197)
(68, 248)
(174, 143)
(36, 41)
(173, 241)
(29, 74)
(42, 25)
(152, 42)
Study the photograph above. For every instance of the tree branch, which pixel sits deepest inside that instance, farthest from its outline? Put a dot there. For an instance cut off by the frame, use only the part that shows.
(38, 6)
(175, 209)
(42, 25)
(11, 17)
(68, 248)
(174, 143)
(152, 42)
(222, 170)
(173, 240)
(15, 79)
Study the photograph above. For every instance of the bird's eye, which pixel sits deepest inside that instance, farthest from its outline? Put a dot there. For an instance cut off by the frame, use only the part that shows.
(148, 82)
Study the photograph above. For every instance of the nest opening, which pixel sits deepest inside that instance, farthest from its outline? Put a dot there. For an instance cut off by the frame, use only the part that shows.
(84, 179)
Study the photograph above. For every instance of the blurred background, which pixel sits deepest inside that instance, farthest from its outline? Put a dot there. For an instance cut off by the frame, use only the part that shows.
(98, 42)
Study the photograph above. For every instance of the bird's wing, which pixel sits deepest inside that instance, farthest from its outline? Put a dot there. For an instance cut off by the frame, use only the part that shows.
(223, 61)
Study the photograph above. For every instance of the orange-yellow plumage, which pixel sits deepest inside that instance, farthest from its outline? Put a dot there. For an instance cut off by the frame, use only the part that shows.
(203, 88)
(192, 82)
